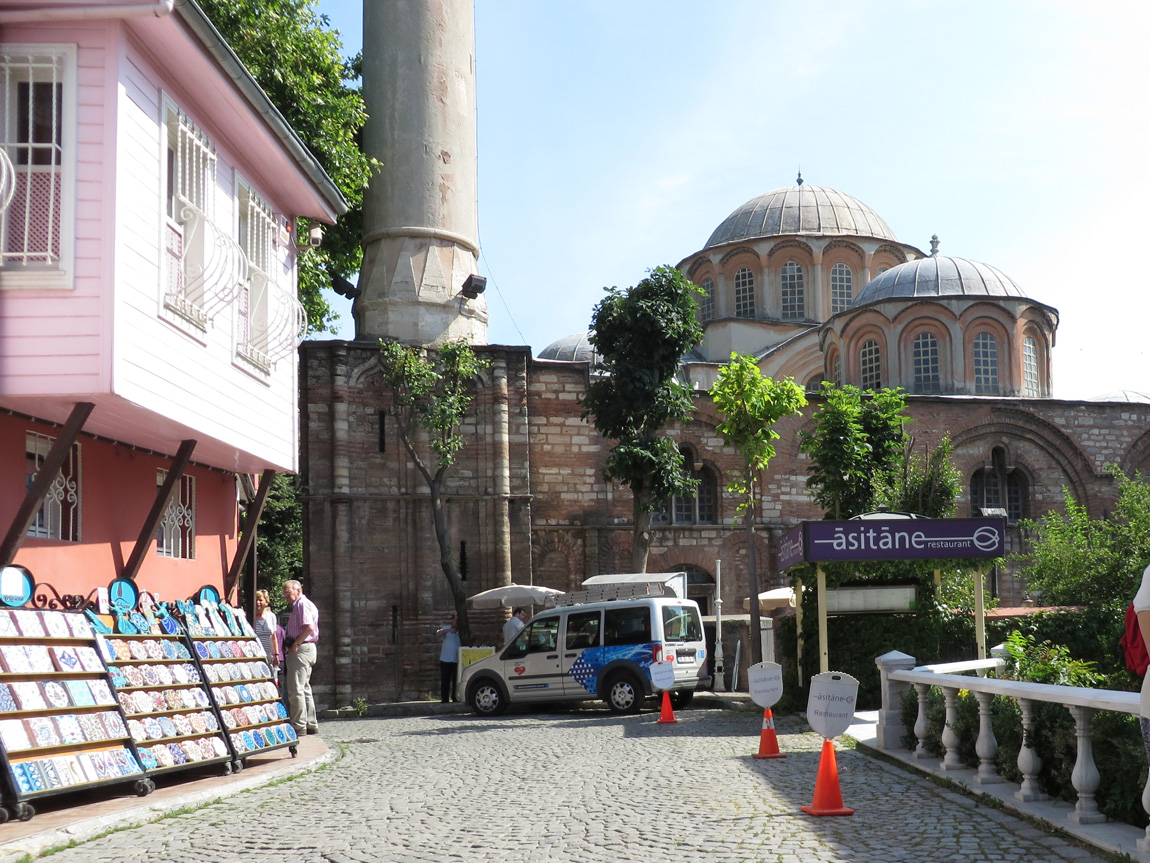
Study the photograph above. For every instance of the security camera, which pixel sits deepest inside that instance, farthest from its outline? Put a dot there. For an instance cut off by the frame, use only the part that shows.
(313, 237)
(473, 286)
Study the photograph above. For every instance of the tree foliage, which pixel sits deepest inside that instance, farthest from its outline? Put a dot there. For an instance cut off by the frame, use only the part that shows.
(279, 541)
(640, 336)
(297, 59)
(1074, 559)
(926, 484)
(750, 405)
(431, 392)
(857, 441)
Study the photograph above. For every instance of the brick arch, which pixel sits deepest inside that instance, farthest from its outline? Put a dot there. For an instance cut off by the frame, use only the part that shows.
(1137, 457)
(366, 370)
(894, 251)
(551, 547)
(734, 253)
(791, 246)
(854, 249)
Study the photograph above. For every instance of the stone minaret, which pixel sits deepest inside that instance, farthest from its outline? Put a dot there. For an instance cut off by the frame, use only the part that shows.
(420, 235)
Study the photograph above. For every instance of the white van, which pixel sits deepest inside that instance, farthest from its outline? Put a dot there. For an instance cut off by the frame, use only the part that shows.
(594, 650)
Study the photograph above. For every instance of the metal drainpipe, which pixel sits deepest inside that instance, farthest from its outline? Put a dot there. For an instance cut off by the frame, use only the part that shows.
(158, 8)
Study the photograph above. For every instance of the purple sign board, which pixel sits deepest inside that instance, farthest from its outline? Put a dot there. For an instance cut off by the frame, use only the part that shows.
(892, 539)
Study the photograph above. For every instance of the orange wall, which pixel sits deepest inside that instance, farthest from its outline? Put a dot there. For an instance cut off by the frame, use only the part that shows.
(118, 487)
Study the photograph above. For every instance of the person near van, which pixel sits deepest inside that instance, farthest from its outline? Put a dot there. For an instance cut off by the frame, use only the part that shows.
(301, 636)
(448, 658)
(514, 625)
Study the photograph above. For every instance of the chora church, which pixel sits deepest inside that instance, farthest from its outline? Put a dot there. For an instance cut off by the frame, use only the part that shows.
(807, 279)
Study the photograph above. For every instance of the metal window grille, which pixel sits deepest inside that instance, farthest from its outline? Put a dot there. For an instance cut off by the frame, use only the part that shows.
(925, 355)
(794, 305)
(59, 514)
(1030, 367)
(842, 287)
(870, 359)
(838, 370)
(258, 229)
(176, 535)
(707, 301)
(31, 133)
(985, 363)
(744, 293)
(193, 258)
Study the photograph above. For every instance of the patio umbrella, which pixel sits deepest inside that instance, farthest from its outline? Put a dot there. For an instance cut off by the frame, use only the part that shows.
(511, 595)
(777, 598)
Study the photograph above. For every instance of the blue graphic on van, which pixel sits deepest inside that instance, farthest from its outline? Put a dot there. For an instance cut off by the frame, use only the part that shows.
(591, 661)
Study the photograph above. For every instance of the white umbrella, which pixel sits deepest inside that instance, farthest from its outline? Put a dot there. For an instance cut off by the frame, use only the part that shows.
(511, 595)
(777, 598)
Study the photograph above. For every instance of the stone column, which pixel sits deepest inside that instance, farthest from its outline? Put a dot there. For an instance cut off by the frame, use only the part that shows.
(501, 471)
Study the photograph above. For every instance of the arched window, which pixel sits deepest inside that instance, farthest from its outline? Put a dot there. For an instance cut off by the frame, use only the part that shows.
(999, 487)
(925, 355)
(707, 301)
(985, 364)
(700, 585)
(842, 287)
(870, 361)
(794, 307)
(699, 507)
(838, 370)
(1030, 368)
(744, 293)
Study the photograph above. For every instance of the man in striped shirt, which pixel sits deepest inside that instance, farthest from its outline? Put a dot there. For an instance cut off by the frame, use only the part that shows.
(302, 633)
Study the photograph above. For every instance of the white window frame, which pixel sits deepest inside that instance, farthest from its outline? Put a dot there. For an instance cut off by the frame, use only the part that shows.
(927, 363)
(842, 287)
(60, 513)
(744, 293)
(793, 292)
(707, 301)
(25, 274)
(984, 354)
(870, 365)
(1031, 386)
(176, 532)
(258, 232)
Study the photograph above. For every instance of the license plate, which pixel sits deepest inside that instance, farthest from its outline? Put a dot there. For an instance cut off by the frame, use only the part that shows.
(684, 659)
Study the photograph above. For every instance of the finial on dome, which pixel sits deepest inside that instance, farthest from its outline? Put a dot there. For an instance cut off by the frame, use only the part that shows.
(933, 245)
(799, 181)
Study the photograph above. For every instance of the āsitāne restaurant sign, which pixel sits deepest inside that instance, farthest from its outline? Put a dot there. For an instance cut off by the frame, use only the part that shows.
(893, 539)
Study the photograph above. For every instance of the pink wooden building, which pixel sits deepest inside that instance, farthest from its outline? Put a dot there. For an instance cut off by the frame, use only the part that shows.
(149, 198)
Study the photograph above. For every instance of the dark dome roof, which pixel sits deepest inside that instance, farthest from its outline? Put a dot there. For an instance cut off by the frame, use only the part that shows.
(801, 209)
(575, 348)
(938, 276)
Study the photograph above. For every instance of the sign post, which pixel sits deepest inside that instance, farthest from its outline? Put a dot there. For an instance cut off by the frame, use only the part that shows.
(830, 711)
(766, 683)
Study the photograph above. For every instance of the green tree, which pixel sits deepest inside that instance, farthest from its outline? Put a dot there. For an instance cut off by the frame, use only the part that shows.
(279, 541)
(750, 405)
(431, 391)
(640, 336)
(858, 439)
(1074, 559)
(926, 484)
(297, 60)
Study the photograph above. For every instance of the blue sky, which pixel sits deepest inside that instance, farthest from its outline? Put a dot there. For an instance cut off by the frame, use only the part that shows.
(615, 136)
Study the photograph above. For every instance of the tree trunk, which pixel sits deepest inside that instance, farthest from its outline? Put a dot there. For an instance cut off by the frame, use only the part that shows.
(753, 575)
(641, 542)
(447, 560)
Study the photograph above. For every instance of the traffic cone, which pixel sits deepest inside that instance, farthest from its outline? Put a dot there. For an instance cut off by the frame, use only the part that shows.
(667, 714)
(768, 742)
(828, 797)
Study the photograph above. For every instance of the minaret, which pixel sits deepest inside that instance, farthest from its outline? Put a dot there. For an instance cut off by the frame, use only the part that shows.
(420, 235)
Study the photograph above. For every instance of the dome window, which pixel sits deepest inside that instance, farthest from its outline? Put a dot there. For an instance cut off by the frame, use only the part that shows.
(707, 300)
(1030, 368)
(925, 355)
(985, 364)
(794, 307)
(744, 293)
(870, 361)
(842, 288)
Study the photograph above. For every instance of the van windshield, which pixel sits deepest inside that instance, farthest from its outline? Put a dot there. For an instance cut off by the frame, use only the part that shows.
(682, 623)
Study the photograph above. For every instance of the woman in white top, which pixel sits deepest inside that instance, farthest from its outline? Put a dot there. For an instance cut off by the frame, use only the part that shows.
(265, 626)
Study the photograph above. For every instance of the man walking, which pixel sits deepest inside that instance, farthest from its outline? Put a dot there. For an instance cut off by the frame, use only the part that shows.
(448, 659)
(301, 635)
(514, 624)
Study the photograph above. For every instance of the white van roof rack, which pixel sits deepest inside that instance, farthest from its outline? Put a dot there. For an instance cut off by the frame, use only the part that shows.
(613, 592)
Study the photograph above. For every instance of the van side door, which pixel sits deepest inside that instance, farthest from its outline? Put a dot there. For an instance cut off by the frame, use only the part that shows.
(531, 664)
(582, 652)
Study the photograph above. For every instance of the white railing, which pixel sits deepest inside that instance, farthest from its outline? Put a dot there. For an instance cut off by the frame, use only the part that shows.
(899, 673)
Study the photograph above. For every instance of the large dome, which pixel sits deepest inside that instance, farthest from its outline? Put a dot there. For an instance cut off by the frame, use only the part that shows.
(575, 348)
(801, 209)
(938, 276)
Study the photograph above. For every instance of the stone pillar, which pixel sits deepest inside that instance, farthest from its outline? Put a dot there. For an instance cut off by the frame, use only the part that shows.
(501, 471)
(890, 729)
(341, 540)
(420, 224)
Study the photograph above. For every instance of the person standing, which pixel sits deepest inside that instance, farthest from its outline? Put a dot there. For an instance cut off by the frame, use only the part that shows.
(514, 624)
(448, 659)
(300, 635)
(266, 626)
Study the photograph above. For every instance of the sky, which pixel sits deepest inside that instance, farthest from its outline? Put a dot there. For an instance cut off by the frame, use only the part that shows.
(615, 136)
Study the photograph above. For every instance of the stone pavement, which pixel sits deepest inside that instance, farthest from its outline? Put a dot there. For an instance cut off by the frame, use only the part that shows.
(581, 786)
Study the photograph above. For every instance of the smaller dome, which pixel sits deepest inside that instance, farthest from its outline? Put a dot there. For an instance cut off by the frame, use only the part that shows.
(575, 348)
(938, 276)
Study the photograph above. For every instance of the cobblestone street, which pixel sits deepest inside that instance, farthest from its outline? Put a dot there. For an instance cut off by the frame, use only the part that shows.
(581, 786)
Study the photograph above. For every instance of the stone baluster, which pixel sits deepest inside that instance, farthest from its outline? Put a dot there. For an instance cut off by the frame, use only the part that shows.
(1028, 761)
(950, 738)
(986, 746)
(1084, 777)
(889, 729)
(1143, 842)
(920, 751)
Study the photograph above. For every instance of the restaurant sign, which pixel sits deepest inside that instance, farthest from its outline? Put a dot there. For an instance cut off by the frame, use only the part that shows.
(892, 539)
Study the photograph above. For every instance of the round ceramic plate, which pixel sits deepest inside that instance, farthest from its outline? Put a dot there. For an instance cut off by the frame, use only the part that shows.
(151, 677)
(133, 675)
(237, 649)
(182, 652)
(219, 747)
(229, 720)
(168, 726)
(138, 650)
(164, 675)
(210, 721)
(201, 650)
(169, 649)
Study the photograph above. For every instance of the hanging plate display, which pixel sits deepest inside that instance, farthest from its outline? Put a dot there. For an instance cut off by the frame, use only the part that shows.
(16, 586)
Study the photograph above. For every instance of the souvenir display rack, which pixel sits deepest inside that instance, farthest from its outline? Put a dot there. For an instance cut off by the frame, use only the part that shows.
(239, 677)
(61, 728)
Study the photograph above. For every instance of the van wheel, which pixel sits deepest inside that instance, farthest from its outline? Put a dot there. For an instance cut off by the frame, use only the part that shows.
(680, 698)
(486, 698)
(624, 695)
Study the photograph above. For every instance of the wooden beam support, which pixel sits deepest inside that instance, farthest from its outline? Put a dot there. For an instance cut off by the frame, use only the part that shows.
(248, 535)
(163, 495)
(34, 497)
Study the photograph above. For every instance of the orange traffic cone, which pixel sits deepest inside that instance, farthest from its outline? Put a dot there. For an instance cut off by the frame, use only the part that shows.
(768, 742)
(828, 797)
(667, 714)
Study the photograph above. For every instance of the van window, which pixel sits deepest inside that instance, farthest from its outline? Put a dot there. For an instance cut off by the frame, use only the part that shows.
(681, 623)
(538, 636)
(583, 630)
(627, 626)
